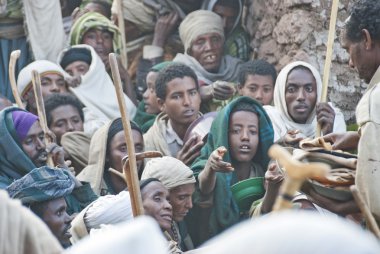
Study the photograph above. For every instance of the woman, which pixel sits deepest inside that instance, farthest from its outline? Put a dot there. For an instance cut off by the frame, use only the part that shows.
(107, 149)
(236, 150)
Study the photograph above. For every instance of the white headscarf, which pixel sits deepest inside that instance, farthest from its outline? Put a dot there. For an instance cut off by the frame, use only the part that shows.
(24, 80)
(281, 120)
(198, 23)
(170, 171)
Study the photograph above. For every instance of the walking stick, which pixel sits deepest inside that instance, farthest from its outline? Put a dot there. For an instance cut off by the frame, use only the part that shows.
(372, 225)
(12, 66)
(121, 25)
(36, 80)
(131, 176)
(330, 44)
(296, 173)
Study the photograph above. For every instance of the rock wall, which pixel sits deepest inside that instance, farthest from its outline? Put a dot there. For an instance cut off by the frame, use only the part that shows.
(287, 30)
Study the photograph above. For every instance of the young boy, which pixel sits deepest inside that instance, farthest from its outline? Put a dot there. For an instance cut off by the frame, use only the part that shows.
(236, 150)
(256, 80)
(178, 96)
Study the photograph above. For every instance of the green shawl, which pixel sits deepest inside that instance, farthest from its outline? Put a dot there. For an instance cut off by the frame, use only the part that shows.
(143, 119)
(225, 211)
(94, 20)
(14, 163)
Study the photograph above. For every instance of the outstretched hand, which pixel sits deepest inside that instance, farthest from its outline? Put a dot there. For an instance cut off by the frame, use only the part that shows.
(190, 150)
(216, 163)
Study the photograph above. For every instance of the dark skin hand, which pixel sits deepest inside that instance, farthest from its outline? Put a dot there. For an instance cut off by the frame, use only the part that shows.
(190, 150)
(164, 28)
(325, 117)
(273, 181)
(342, 208)
(343, 141)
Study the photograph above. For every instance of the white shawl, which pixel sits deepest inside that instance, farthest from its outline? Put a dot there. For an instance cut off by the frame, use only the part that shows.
(281, 120)
(97, 92)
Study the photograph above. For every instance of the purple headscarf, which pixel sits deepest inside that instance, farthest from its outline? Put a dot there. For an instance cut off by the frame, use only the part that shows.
(22, 122)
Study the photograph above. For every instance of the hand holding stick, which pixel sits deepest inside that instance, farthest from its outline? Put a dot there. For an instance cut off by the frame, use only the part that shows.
(130, 175)
(12, 66)
(296, 174)
(36, 80)
(330, 45)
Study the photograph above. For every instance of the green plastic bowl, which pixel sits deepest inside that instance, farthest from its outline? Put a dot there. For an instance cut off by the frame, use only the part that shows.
(247, 191)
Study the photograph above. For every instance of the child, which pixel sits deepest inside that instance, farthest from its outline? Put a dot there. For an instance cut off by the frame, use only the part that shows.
(256, 80)
(236, 150)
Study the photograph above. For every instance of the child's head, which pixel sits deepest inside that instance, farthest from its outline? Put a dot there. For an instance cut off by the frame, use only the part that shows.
(256, 80)
(177, 93)
(243, 134)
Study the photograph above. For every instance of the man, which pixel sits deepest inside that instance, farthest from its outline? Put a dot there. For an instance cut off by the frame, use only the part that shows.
(25, 231)
(63, 114)
(237, 40)
(179, 180)
(179, 100)
(43, 191)
(22, 148)
(52, 81)
(297, 107)
(361, 39)
(202, 35)
(256, 80)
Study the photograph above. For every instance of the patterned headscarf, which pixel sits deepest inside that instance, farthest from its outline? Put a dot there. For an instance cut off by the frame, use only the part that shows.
(41, 184)
(94, 20)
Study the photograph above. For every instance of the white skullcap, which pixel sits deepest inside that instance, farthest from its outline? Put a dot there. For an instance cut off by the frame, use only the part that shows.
(24, 80)
(170, 171)
(109, 209)
(198, 23)
(139, 236)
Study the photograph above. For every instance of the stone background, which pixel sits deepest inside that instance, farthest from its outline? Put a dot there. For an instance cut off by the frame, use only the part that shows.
(287, 30)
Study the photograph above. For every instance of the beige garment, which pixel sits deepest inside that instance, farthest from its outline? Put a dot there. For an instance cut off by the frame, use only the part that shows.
(154, 139)
(368, 170)
(94, 171)
(44, 25)
(170, 171)
(23, 232)
(77, 145)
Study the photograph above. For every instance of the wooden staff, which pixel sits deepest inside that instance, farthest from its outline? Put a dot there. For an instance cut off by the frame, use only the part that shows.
(296, 174)
(330, 44)
(372, 225)
(121, 25)
(12, 66)
(36, 80)
(131, 176)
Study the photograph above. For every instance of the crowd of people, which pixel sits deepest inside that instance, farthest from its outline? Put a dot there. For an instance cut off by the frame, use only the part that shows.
(193, 94)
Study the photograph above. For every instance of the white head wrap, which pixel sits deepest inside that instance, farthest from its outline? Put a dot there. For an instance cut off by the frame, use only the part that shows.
(279, 115)
(138, 13)
(24, 80)
(109, 209)
(198, 23)
(170, 171)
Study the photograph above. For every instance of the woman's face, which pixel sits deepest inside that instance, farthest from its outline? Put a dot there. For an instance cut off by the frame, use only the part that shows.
(155, 198)
(243, 136)
(118, 149)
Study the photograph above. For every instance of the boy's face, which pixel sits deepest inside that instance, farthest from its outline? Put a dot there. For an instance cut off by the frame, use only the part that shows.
(258, 87)
(77, 68)
(243, 135)
(182, 101)
(149, 96)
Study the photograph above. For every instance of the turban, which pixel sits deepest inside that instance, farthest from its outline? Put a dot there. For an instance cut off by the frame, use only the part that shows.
(76, 54)
(41, 184)
(198, 23)
(24, 80)
(138, 13)
(94, 20)
(170, 171)
(22, 121)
